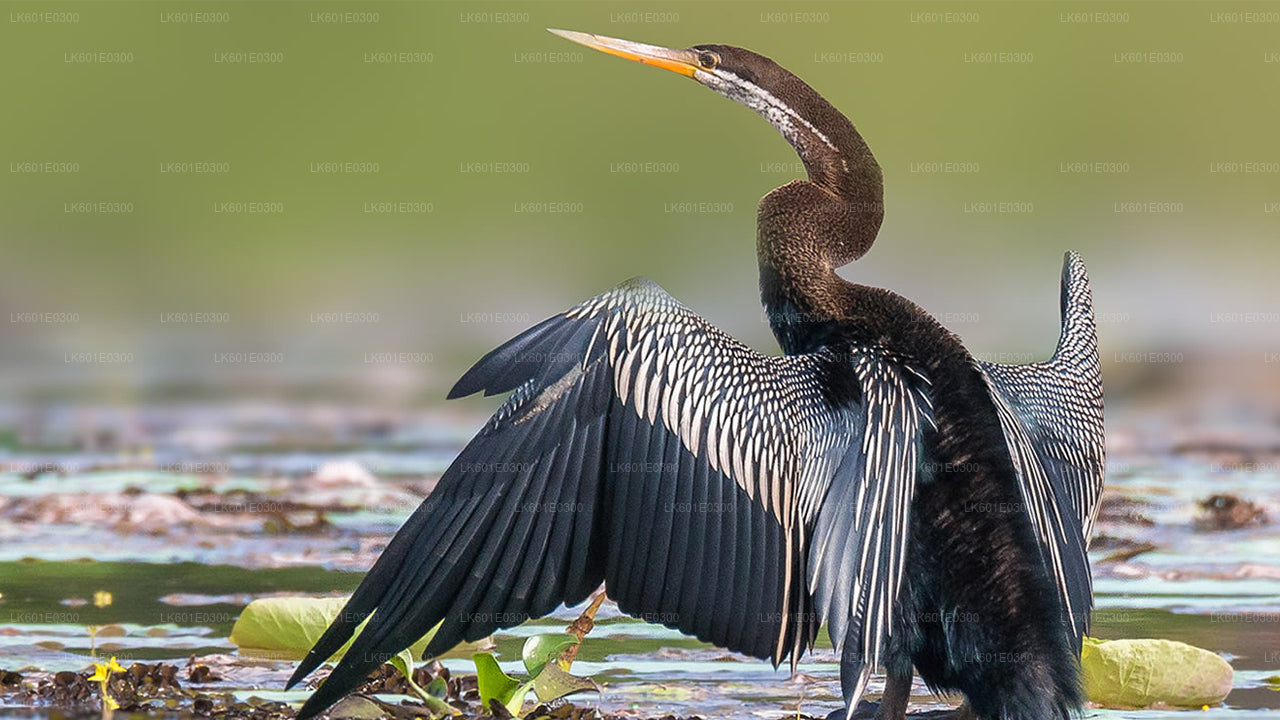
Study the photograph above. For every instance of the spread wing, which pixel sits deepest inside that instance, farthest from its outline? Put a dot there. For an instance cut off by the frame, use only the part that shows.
(642, 447)
(1051, 414)
(859, 542)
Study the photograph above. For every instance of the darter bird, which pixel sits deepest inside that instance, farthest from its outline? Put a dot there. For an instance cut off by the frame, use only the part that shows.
(933, 510)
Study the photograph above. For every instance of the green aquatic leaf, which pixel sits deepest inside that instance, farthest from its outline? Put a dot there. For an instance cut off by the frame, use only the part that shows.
(1140, 673)
(494, 684)
(285, 628)
(542, 649)
(404, 664)
(554, 683)
(438, 687)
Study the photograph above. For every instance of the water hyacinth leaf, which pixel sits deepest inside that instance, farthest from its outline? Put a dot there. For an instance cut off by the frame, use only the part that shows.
(494, 684)
(554, 683)
(1140, 673)
(438, 687)
(404, 664)
(542, 649)
(286, 628)
(517, 698)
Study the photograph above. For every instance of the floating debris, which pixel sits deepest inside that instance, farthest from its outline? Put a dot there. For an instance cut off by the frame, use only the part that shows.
(1123, 511)
(1129, 552)
(1228, 512)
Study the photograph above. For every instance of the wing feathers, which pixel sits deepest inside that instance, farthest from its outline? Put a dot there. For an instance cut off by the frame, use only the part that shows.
(643, 447)
(856, 571)
(1051, 416)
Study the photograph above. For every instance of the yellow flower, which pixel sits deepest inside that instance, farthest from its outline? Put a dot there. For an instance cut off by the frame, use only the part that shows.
(102, 598)
(102, 671)
(101, 675)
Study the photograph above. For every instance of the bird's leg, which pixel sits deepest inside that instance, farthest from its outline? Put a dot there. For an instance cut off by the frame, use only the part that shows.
(893, 704)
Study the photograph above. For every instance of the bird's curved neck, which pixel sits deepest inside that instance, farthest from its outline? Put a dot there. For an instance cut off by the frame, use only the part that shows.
(808, 228)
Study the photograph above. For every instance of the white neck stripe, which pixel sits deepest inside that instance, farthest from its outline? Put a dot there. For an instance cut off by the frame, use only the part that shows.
(771, 102)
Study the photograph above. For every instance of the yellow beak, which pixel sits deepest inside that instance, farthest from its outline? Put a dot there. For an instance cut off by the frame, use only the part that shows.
(684, 62)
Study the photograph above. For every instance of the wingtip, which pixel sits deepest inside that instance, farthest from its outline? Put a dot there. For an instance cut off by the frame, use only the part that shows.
(321, 700)
(292, 681)
(1072, 265)
(308, 711)
(1075, 282)
(301, 672)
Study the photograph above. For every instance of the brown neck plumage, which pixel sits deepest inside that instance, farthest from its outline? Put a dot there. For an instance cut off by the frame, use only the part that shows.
(808, 228)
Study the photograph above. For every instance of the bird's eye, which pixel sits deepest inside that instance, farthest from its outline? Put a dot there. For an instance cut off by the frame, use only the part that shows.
(708, 60)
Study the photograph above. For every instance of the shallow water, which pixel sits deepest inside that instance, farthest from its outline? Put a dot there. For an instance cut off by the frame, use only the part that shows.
(177, 590)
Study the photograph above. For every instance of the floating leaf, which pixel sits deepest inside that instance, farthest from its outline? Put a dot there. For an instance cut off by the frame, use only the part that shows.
(1139, 673)
(554, 683)
(287, 627)
(354, 707)
(542, 649)
(111, 631)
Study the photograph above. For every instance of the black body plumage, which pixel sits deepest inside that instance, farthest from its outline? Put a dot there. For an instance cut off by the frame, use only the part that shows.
(931, 509)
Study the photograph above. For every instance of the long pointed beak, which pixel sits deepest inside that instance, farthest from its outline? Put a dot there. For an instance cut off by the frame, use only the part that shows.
(684, 62)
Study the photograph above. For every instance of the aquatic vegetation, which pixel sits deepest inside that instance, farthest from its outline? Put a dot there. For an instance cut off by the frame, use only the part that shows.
(433, 696)
(1143, 673)
(102, 676)
(287, 627)
(101, 599)
(1156, 575)
(547, 659)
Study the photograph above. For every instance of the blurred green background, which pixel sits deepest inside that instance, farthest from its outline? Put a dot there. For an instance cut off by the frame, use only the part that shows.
(333, 184)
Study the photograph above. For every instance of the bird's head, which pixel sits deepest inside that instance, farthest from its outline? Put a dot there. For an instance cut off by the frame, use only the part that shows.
(813, 126)
(835, 156)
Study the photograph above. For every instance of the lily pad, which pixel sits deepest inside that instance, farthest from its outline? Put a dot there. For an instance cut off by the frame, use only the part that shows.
(1141, 673)
(354, 707)
(286, 628)
(111, 631)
